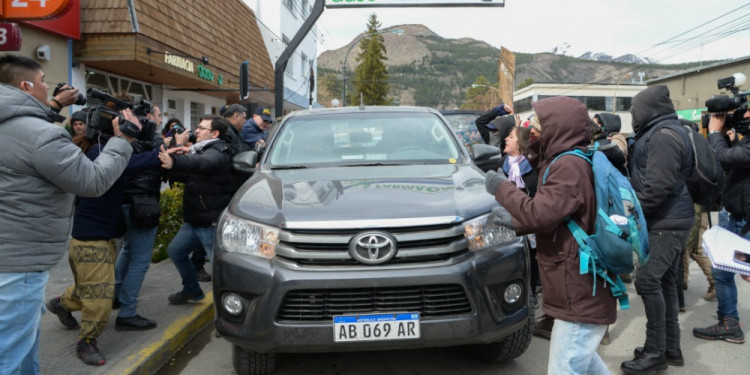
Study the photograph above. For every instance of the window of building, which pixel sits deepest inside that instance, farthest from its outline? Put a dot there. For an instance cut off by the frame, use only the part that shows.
(118, 86)
(304, 66)
(522, 105)
(195, 114)
(290, 63)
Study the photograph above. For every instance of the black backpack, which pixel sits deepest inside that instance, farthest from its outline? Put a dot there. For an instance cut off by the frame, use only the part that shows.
(706, 182)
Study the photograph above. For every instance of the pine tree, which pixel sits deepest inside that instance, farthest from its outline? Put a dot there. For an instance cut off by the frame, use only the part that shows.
(371, 75)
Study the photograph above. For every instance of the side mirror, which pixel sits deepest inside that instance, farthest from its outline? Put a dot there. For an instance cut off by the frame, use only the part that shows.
(482, 151)
(245, 161)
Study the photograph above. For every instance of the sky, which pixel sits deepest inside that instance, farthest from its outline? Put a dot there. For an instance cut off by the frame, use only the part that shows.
(669, 31)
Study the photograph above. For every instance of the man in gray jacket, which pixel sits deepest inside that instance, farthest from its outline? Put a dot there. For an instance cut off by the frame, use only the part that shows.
(41, 172)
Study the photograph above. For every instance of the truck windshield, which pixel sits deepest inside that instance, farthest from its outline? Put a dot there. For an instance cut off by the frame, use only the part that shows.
(367, 139)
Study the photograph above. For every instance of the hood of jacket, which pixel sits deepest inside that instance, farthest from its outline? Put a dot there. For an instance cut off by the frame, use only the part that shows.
(648, 105)
(17, 103)
(562, 129)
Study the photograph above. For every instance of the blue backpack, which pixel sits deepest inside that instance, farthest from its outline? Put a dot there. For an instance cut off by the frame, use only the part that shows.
(620, 226)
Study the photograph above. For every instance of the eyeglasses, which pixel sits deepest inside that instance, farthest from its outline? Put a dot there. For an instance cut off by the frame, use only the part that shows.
(202, 128)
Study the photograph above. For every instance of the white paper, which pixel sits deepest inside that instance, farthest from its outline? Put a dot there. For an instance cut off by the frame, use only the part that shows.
(720, 245)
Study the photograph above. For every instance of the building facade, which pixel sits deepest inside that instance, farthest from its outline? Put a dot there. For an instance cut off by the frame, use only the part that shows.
(278, 21)
(180, 55)
(597, 98)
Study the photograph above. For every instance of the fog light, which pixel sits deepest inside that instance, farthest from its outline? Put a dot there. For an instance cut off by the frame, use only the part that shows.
(233, 303)
(512, 293)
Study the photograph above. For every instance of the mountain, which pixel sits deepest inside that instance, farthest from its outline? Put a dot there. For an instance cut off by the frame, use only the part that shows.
(429, 70)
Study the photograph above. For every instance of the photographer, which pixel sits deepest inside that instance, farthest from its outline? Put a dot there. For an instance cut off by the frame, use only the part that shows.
(96, 224)
(735, 217)
(42, 172)
(141, 211)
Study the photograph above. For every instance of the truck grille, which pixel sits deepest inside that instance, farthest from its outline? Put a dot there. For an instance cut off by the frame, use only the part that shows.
(331, 248)
(320, 305)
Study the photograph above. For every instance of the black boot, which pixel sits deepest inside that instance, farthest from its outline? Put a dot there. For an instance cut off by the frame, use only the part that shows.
(674, 356)
(645, 363)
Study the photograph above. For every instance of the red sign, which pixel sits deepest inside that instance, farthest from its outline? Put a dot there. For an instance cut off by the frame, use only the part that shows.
(10, 37)
(68, 24)
(32, 9)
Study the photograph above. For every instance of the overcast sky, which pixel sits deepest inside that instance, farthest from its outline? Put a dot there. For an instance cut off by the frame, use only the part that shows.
(670, 31)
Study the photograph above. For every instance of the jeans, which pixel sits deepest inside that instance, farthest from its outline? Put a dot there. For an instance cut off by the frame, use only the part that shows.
(21, 306)
(572, 349)
(656, 283)
(132, 264)
(726, 289)
(184, 242)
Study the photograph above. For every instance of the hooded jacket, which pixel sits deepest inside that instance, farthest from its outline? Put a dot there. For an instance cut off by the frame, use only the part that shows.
(41, 171)
(661, 159)
(568, 192)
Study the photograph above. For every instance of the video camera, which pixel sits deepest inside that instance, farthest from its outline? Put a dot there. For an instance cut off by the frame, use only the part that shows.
(99, 120)
(723, 103)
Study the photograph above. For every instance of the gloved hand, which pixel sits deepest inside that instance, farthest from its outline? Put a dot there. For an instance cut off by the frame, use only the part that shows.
(501, 216)
(493, 180)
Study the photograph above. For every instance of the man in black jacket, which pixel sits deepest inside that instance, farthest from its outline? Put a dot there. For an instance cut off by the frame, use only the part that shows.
(734, 217)
(206, 168)
(141, 212)
(661, 160)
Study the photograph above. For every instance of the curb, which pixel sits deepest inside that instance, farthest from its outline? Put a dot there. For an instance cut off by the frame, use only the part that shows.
(151, 358)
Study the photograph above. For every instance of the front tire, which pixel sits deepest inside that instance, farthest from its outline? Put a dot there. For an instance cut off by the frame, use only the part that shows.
(511, 347)
(252, 363)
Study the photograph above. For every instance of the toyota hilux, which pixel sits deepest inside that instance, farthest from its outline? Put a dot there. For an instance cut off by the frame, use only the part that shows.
(367, 228)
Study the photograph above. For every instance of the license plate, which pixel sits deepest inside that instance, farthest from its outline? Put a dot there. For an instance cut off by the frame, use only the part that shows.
(376, 327)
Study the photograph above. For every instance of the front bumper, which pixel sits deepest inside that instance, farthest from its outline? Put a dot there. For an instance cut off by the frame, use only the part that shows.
(263, 285)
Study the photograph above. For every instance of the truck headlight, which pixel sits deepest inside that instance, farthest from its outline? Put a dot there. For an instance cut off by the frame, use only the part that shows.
(482, 233)
(243, 236)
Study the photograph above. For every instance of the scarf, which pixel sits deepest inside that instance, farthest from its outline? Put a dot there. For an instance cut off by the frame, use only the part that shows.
(198, 147)
(514, 170)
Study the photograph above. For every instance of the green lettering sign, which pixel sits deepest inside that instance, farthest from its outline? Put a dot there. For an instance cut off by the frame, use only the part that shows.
(205, 73)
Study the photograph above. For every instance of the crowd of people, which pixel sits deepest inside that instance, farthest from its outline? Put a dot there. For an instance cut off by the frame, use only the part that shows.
(77, 189)
(657, 158)
(69, 189)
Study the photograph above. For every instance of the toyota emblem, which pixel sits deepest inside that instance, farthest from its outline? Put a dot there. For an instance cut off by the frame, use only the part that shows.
(372, 247)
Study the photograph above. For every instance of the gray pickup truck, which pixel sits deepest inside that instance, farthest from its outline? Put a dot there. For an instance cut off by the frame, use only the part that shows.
(367, 229)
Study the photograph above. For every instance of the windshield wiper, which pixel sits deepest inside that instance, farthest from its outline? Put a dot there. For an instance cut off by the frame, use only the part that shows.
(292, 166)
(370, 164)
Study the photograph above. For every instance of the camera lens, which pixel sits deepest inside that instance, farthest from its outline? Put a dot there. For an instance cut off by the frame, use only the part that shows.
(81, 100)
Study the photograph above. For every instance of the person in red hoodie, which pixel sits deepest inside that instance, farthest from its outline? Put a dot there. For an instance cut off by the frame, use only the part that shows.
(581, 317)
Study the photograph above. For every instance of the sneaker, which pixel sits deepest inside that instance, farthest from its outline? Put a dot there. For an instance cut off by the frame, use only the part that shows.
(180, 298)
(543, 327)
(203, 275)
(89, 353)
(134, 323)
(710, 294)
(66, 318)
(727, 329)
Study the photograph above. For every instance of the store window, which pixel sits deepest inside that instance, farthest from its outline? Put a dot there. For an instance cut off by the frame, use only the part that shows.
(119, 87)
(196, 112)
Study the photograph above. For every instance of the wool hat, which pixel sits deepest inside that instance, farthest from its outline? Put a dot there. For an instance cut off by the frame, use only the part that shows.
(78, 116)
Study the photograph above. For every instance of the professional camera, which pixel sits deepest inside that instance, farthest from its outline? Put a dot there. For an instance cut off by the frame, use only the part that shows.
(179, 129)
(723, 103)
(100, 118)
(80, 100)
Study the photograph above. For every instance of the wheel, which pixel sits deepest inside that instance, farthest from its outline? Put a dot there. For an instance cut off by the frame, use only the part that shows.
(251, 363)
(509, 348)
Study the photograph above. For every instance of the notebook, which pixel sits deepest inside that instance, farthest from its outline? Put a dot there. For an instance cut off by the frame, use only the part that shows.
(727, 251)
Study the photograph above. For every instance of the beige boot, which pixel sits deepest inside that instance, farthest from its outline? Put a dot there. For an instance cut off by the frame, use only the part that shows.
(711, 293)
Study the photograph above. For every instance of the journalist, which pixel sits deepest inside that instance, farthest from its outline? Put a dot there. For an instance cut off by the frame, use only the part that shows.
(42, 172)
(735, 217)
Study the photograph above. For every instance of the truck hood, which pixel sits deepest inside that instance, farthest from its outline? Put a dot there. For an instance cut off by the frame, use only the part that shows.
(363, 197)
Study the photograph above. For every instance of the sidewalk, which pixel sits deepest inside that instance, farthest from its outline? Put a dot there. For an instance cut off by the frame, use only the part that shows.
(126, 352)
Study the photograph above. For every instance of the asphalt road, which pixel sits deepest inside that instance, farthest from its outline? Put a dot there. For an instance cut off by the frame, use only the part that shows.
(209, 354)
